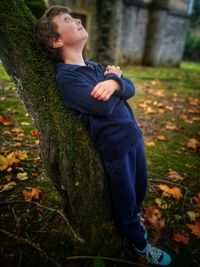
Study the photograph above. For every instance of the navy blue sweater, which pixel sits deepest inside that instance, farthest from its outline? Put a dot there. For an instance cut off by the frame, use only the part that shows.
(111, 124)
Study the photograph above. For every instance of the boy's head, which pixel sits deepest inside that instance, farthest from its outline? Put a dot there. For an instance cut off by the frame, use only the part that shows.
(57, 30)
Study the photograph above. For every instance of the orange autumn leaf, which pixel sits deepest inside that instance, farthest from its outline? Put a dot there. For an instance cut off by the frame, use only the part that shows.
(33, 194)
(175, 192)
(21, 154)
(181, 238)
(193, 143)
(5, 121)
(195, 228)
(142, 105)
(34, 133)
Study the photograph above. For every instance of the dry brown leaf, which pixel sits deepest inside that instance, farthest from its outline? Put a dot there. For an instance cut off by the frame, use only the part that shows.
(149, 143)
(181, 238)
(17, 130)
(174, 176)
(150, 110)
(161, 138)
(33, 194)
(193, 143)
(159, 93)
(194, 111)
(195, 228)
(142, 105)
(170, 126)
(8, 177)
(197, 199)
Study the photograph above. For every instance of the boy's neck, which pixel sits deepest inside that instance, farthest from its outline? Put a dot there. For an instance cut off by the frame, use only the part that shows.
(72, 56)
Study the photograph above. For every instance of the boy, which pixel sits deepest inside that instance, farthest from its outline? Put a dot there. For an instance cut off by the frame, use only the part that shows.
(97, 96)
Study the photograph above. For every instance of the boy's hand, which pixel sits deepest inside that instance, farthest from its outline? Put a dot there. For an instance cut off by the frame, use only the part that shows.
(103, 90)
(114, 69)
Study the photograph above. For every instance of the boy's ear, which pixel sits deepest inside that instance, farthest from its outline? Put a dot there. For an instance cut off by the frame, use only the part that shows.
(56, 43)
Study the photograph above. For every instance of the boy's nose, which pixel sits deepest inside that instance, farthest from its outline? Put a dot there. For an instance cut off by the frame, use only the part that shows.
(78, 21)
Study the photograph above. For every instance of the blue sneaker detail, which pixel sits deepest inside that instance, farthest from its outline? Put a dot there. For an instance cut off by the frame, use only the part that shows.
(154, 255)
(145, 231)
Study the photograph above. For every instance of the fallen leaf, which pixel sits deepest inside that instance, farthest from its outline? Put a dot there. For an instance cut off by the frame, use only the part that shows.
(149, 143)
(175, 192)
(11, 159)
(159, 93)
(21, 154)
(174, 176)
(181, 238)
(142, 105)
(149, 110)
(152, 216)
(195, 228)
(21, 176)
(194, 111)
(34, 133)
(193, 143)
(192, 215)
(17, 130)
(170, 126)
(8, 177)
(33, 194)
(3, 163)
(197, 199)
(5, 121)
(7, 187)
(161, 203)
(161, 138)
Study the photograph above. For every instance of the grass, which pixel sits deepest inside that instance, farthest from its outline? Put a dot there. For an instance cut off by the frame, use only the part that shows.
(180, 96)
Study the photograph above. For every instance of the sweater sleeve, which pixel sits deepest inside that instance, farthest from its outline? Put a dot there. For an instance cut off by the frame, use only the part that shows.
(76, 94)
(127, 88)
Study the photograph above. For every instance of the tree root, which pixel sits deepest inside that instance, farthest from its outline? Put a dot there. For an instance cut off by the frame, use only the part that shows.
(31, 244)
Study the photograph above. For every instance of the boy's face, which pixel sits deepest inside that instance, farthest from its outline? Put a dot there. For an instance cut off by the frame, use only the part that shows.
(70, 29)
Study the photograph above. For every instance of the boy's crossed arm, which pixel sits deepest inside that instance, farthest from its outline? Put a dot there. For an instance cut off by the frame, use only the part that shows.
(114, 83)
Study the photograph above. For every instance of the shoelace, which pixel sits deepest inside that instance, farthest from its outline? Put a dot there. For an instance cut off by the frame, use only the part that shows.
(154, 253)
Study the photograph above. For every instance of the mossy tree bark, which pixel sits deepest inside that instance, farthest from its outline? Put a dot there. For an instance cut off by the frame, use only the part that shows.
(70, 159)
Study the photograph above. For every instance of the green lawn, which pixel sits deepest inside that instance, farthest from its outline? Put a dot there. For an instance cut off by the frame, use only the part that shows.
(163, 96)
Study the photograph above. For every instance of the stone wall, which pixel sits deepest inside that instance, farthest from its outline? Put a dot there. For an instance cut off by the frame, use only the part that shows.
(148, 32)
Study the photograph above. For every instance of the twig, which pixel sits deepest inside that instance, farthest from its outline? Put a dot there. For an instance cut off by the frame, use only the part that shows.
(31, 244)
(81, 240)
(75, 236)
(105, 258)
(167, 182)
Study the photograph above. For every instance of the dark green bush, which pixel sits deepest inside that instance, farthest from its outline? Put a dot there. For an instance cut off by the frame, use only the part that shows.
(192, 48)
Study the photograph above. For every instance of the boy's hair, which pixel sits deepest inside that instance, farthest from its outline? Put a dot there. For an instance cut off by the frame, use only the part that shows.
(45, 30)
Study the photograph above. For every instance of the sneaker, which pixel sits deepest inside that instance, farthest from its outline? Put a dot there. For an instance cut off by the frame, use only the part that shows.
(143, 226)
(154, 255)
(145, 231)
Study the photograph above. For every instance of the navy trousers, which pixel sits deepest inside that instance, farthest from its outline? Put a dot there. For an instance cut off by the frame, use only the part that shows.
(128, 180)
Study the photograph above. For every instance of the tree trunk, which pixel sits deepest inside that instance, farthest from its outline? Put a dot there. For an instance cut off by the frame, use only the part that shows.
(70, 159)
